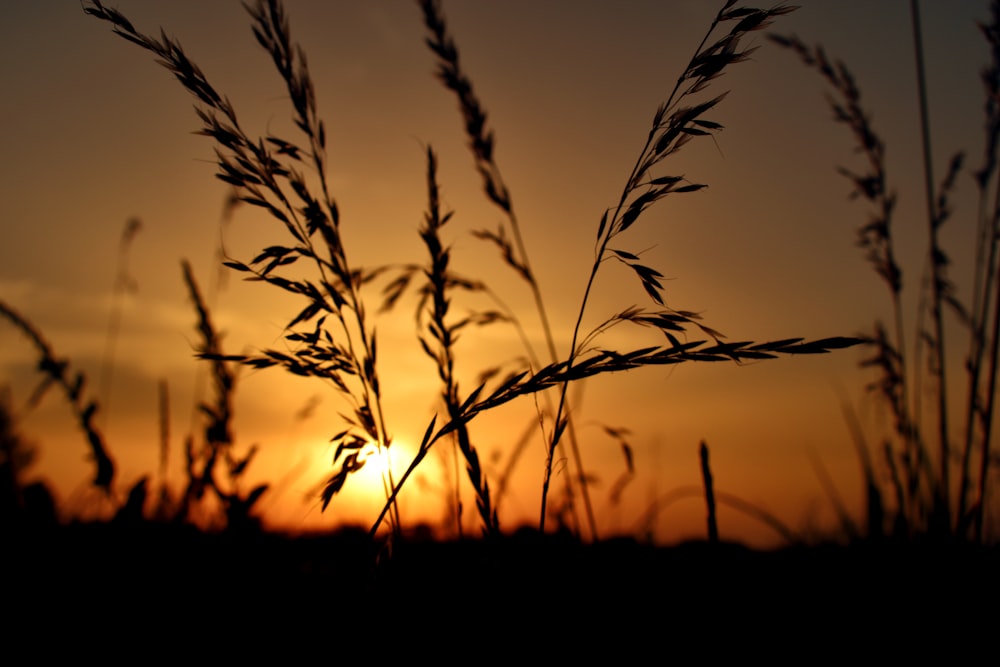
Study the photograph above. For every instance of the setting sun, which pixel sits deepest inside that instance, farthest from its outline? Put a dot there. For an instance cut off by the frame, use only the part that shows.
(380, 465)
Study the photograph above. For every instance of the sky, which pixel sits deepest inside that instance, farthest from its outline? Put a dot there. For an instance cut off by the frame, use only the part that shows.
(97, 134)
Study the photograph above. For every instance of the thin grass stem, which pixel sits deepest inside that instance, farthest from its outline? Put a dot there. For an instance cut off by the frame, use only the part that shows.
(942, 487)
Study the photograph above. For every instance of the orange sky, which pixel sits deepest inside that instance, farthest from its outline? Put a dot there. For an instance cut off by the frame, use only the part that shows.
(96, 133)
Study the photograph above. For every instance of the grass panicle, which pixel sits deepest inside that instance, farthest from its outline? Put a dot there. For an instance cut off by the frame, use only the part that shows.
(440, 338)
(675, 123)
(56, 371)
(217, 445)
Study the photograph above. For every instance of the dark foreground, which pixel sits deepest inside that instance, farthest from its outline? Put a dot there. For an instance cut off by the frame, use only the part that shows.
(113, 576)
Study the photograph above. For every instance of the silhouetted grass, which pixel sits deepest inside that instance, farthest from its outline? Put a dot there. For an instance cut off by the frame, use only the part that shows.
(22, 502)
(442, 334)
(513, 251)
(332, 337)
(919, 475)
(217, 447)
(56, 371)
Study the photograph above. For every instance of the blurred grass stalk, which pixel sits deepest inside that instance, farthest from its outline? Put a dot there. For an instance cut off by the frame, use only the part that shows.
(921, 482)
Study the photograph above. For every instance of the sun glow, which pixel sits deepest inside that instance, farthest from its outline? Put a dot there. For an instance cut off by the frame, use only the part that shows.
(368, 488)
(376, 475)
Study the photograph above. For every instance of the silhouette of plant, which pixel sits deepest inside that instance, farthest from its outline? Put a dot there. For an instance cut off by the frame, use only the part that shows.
(56, 371)
(217, 445)
(332, 336)
(21, 502)
(513, 250)
(920, 481)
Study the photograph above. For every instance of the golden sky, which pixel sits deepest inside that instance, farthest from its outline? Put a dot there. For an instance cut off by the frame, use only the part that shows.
(95, 134)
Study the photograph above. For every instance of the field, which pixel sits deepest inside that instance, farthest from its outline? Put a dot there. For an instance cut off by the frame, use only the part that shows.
(428, 380)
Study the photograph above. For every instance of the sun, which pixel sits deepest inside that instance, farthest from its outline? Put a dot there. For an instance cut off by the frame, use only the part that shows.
(378, 464)
(363, 494)
(381, 466)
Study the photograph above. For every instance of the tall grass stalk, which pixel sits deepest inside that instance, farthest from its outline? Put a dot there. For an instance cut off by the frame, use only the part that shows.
(217, 447)
(444, 334)
(163, 499)
(877, 240)
(672, 127)
(706, 477)
(988, 284)
(982, 355)
(515, 255)
(56, 371)
(936, 215)
(666, 500)
(332, 336)
(123, 284)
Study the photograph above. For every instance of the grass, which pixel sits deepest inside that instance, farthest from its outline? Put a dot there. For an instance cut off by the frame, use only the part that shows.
(514, 253)
(332, 336)
(914, 488)
(919, 484)
(56, 372)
